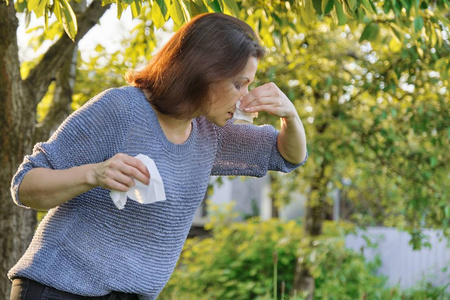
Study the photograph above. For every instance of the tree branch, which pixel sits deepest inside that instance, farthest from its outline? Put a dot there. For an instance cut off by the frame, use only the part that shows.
(62, 98)
(42, 75)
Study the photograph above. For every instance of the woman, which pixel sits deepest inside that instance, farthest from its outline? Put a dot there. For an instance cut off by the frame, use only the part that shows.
(177, 111)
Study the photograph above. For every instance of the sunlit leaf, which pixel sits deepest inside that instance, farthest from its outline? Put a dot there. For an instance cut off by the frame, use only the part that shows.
(68, 19)
(342, 18)
(230, 7)
(213, 5)
(37, 6)
(318, 6)
(175, 11)
(368, 6)
(308, 12)
(20, 6)
(327, 6)
(370, 32)
(159, 13)
(353, 4)
(135, 8)
(395, 45)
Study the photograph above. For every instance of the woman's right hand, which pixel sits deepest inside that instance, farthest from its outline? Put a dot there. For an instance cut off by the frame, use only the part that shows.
(118, 173)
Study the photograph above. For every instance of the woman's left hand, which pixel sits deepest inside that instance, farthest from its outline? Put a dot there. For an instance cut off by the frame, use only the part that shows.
(269, 98)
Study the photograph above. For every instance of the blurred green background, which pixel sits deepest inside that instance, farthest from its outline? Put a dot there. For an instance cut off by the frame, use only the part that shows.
(370, 81)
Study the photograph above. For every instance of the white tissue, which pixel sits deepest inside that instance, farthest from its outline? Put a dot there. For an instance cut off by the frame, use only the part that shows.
(140, 192)
(241, 117)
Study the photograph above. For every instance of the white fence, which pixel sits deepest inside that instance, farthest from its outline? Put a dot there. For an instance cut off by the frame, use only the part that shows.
(401, 264)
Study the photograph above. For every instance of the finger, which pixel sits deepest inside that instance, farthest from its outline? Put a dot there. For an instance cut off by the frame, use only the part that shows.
(141, 172)
(258, 93)
(117, 186)
(274, 110)
(123, 179)
(134, 172)
(265, 100)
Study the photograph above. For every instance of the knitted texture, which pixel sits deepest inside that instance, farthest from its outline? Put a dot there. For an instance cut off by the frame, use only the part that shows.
(87, 246)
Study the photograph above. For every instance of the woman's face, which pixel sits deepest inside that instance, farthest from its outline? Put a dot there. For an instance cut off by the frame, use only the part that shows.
(226, 93)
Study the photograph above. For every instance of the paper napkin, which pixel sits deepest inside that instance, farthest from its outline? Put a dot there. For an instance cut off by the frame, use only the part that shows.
(140, 192)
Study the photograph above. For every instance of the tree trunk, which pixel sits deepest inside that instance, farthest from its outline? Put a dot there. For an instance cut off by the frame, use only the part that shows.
(61, 102)
(315, 215)
(304, 281)
(16, 123)
(315, 211)
(275, 210)
(18, 102)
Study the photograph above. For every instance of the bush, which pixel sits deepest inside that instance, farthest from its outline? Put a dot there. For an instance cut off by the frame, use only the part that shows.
(242, 260)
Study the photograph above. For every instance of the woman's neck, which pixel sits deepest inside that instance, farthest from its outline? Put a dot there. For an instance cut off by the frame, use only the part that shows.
(177, 131)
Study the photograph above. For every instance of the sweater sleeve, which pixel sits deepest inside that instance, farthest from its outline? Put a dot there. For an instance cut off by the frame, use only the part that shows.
(91, 134)
(249, 150)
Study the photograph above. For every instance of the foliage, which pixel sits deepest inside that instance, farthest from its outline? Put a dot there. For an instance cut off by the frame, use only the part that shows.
(276, 19)
(376, 120)
(238, 262)
(375, 115)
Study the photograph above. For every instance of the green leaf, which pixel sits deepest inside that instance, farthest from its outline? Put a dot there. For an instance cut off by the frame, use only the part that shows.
(394, 112)
(20, 6)
(67, 18)
(396, 7)
(27, 19)
(159, 13)
(57, 11)
(213, 5)
(418, 24)
(198, 7)
(37, 6)
(370, 33)
(318, 6)
(186, 9)
(406, 4)
(342, 18)
(308, 12)
(230, 7)
(119, 8)
(367, 5)
(433, 161)
(135, 8)
(45, 18)
(327, 6)
(387, 6)
(352, 4)
(432, 35)
(398, 32)
(176, 12)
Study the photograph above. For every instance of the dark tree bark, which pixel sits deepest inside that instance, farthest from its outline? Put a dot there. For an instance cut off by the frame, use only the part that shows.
(315, 210)
(16, 225)
(61, 102)
(275, 210)
(315, 215)
(18, 102)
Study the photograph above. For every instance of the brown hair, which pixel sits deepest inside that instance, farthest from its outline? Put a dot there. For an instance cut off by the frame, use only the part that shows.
(210, 48)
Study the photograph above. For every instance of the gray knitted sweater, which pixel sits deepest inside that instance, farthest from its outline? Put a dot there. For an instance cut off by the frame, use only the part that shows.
(89, 247)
